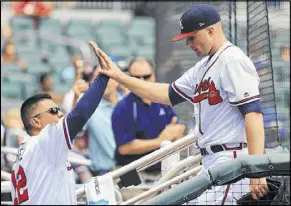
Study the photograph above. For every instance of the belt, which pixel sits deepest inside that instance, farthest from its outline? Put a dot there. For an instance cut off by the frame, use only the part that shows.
(220, 148)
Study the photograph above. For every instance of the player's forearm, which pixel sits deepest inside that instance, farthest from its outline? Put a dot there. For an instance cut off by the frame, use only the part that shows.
(86, 106)
(155, 92)
(254, 126)
(139, 146)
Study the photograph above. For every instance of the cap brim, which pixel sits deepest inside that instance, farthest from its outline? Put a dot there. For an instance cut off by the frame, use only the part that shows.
(183, 35)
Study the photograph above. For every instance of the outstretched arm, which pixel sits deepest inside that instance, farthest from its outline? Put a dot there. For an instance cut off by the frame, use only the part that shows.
(86, 106)
(155, 92)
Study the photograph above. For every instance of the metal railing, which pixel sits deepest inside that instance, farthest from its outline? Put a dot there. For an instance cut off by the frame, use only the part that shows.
(169, 179)
(150, 159)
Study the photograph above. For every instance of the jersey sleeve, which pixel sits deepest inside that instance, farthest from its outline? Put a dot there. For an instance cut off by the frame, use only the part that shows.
(55, 142)
(240, 80)
(185, 85)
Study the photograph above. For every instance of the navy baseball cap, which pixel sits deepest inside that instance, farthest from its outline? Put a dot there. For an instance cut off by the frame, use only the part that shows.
(197, 18)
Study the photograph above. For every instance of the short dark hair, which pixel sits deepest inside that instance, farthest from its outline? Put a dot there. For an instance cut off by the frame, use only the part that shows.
(43, 76)
(28, 107)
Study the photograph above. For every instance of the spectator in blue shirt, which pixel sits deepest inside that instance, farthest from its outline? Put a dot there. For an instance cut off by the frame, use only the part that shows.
(101, 139)
(139, 125)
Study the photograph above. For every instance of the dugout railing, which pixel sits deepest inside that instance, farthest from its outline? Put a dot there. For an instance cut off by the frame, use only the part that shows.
(251, 166)
(147, 161)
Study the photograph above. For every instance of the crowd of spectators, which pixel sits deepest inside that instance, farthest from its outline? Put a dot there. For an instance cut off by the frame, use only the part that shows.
(113, 136)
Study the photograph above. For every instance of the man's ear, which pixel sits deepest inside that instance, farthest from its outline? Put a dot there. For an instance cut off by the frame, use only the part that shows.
(210, 30)
(35, 123)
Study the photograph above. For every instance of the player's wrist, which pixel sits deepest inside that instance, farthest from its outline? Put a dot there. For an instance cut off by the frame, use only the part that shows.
(122, 77)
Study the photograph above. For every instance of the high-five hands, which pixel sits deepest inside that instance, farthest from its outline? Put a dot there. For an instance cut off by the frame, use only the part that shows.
(109, 68)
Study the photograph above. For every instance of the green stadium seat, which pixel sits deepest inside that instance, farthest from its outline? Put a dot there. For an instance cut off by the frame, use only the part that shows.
(37, 69)
(111, 38)
(20, 23)
(79, 26)
(30, 90)
(49, 46)
(20, 78)
(142, 26)
(148, 22)
(30, 57)
(10, 67)
(82, 36)
(51, 25)
(110, 24)
(62, 88)
(147, 52)
(122, 52)
(11, 90)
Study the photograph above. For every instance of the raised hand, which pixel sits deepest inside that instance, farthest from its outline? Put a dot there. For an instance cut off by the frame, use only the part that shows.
(109, 68)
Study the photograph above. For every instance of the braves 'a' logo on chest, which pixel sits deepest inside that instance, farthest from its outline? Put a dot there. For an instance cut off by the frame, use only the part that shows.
(207, 90)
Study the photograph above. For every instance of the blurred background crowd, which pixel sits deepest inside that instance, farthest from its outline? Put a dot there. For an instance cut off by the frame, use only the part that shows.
(44, 49)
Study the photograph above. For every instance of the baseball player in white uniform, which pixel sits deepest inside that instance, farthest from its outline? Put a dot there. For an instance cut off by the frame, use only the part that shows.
(223, 87)
(41, 173)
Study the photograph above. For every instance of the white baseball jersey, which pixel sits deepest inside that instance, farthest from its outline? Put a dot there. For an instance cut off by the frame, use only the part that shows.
(216, 87)
(41, 173)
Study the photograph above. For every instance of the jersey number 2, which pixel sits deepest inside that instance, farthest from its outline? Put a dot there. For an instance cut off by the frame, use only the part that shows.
(19, 182)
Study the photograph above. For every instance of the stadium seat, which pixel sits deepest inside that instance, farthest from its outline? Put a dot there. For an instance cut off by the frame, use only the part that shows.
(147, 22)
(134, 45)
(122, 52)
(86, 36)
(111, 38)
(62, 88)
(143, 26)
(10, 67)
(20, 23)
(20, 78)
(30, 57)
(37, 69)
(147, 52)
(79, 27)
(51, 25)
(30, 89)
(110, 24)
(11, 90)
